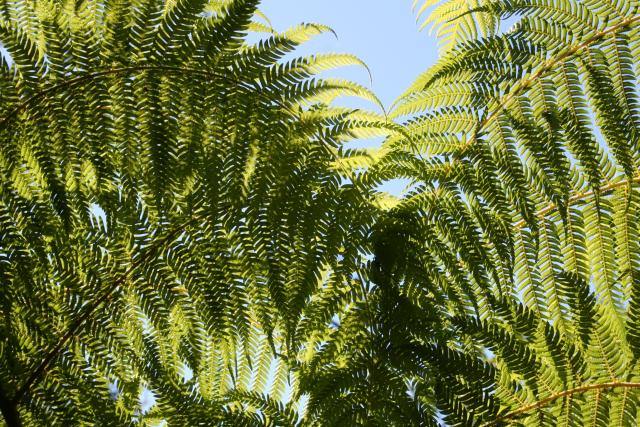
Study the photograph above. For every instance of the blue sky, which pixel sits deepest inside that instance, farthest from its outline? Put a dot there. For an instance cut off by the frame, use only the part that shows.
(383, 33)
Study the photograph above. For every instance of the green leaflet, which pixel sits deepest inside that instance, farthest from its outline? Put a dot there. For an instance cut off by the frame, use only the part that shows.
(554, 144)
(154, 140)
(179, 216)
(454, 21)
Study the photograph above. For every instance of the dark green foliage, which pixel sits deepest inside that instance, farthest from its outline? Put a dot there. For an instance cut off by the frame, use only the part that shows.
(172, 197)
(544, 228)
(179, 216)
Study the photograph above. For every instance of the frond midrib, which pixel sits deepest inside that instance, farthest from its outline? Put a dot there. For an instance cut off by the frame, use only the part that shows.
(566, 393)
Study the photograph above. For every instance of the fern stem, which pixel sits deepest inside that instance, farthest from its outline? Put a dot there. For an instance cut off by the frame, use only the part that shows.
(80, 321)
(582, 389)
(86, 77)
(9, 411)
(577, 197)
(549, 65)
(41, 369)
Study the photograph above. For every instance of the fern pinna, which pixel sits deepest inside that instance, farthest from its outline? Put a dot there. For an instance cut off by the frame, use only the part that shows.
(522, 146)
(172, 196)
(178, 216)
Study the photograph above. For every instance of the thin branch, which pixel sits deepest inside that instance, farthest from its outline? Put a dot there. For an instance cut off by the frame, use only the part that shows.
(43, 366)
(549, 65)
(89, 76)
(560, 395)
(85, 77)
(9, 411)
(577, 197)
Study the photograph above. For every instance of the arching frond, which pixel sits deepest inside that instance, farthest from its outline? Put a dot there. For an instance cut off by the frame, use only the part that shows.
(522, 149)
(456, 21)
(172, 197)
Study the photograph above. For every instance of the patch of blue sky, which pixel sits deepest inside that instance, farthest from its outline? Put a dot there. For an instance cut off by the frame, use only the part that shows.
(5, 55)
(147, 400)
(98, 216)
(384, 35)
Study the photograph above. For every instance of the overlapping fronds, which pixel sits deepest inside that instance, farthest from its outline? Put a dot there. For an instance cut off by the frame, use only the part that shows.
(455, 21)
(171, 198)
(179, 218)
(523, 149)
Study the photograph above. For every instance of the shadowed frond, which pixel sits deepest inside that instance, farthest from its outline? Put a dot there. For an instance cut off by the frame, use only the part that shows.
(172, 197)
(522, 149)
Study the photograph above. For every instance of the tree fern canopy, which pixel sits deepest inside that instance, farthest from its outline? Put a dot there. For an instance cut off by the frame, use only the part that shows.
(180, 217)
(172, 198)
(523, 150)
